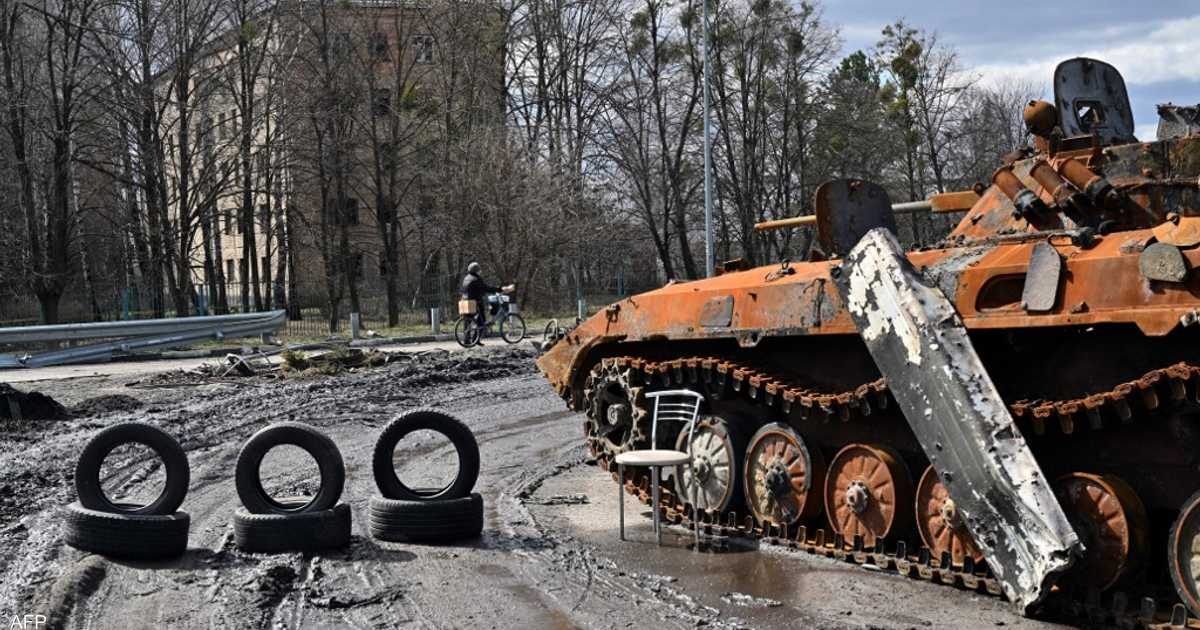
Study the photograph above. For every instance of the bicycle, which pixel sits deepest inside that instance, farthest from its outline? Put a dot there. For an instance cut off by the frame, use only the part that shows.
(468, 332)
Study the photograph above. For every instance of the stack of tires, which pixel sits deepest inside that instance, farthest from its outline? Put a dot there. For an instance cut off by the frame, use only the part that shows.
(426, 515)
(268, 525)
(121, 530)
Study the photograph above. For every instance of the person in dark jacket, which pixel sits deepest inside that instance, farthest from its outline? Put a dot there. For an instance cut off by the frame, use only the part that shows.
(474, 288)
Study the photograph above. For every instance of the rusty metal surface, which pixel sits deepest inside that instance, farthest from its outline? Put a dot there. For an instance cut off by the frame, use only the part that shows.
(1112, 522)
(963, 425)
(1105, 205)
(1179, 231)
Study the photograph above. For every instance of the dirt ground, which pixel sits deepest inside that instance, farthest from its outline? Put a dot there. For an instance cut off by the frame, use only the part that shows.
(549, 556)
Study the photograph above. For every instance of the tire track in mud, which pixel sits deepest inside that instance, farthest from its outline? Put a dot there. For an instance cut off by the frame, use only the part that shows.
(521, 573)
(211, 422)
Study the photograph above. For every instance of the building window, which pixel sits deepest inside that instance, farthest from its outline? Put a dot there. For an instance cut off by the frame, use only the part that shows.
(264, 264)
(222, 132)
(383, 264)
(424, 48)
(228, 220)
(233, 123)
(379, 46)
(381, 102)
(230, 269)
(264, 218)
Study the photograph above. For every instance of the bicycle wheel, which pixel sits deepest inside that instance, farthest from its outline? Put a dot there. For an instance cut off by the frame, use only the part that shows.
(466, 332)
(512, 328)
(550, 331)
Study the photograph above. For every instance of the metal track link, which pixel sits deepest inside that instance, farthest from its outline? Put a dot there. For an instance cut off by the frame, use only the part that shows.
(1173, 383)
(914, 560)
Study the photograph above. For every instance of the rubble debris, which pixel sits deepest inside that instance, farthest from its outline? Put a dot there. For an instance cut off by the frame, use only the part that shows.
(750, 601)
(18, 405)
(559, 499)
(106, 404)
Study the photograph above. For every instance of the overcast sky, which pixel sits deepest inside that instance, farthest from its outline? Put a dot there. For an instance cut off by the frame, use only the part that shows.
(1154, 43)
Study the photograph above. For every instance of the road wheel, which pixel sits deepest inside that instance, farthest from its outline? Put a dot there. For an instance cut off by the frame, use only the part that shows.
(512, 328)
(426, 521)
(317, 444)
(717, 449)
(1183, 553)
(1111, 523)
(868, 493)
(459, 435)
(303, 531)
(617, 416)
(783, 476)
(127, 535)
(87, 469)
(939, 523)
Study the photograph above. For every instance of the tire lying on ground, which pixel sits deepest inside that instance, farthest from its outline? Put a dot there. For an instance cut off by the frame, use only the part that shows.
(318, 445)
(441, 521)
(127, 535)
(459, 435)
(87, 469)
(303, 531)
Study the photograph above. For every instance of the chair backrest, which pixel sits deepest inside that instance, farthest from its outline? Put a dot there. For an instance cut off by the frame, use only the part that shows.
(679, 405)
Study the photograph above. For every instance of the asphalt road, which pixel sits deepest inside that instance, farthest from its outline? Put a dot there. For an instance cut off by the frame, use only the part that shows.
(549, 556)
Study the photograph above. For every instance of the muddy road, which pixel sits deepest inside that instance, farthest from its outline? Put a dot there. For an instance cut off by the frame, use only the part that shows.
(548, 557)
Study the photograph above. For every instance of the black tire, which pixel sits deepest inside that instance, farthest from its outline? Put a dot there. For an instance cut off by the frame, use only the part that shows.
(466, 332)
(426, 521)
(459, 435)
(127, 535)
(318, 445)
(512, 328)
(304, 531)
(175, 463)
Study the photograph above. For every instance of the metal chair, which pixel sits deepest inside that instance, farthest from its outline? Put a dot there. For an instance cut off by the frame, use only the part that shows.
(678, 405)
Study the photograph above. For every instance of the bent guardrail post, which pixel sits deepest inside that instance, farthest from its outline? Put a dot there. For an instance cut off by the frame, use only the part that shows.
(921, 347)
(130, 336)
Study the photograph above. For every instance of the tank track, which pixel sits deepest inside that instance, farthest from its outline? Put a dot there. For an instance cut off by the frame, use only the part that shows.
(903, 557)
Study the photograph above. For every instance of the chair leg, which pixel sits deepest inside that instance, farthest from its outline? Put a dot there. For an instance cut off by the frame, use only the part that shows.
(657, 526)
(621, 496)
(696, 508)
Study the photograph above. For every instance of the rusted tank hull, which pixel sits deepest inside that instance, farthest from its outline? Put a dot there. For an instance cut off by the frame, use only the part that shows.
(1072, 279)
(1102, 285)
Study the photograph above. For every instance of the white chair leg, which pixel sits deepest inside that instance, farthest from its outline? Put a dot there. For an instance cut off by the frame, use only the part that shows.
(657, 527)
(696, 507)
(621, 496)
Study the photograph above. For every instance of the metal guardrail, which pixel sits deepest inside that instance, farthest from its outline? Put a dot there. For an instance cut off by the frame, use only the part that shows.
(128, 336)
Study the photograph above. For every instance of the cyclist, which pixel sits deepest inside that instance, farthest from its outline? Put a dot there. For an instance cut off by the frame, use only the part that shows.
(474, 288)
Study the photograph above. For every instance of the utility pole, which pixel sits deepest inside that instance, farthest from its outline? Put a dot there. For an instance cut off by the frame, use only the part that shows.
(709, 260)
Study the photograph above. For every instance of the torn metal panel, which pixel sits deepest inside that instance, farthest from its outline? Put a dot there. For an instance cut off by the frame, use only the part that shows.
(847, 209)
(1163, 262)
(1041, 280)
(921, 347)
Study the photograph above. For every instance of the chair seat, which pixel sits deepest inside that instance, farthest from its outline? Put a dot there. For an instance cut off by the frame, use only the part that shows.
(656, 457)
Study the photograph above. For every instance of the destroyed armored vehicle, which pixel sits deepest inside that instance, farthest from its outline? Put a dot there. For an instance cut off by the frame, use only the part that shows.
(1016, 408)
